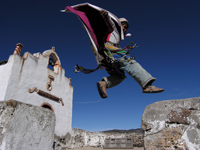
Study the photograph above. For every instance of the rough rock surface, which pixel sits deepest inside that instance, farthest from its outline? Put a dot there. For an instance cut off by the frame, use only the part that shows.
(172, 124)
(25, 127)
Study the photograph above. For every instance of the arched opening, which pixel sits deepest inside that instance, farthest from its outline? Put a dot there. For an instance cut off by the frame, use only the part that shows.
(47, 106)
(54, 61)
(51, 62)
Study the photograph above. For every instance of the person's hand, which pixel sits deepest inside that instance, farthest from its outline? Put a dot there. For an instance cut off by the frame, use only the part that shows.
(104, 13)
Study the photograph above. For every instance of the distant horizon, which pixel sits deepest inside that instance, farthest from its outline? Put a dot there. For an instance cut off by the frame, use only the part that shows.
(112, 129)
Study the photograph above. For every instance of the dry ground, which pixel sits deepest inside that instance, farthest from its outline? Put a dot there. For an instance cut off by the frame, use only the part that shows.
(94, 148)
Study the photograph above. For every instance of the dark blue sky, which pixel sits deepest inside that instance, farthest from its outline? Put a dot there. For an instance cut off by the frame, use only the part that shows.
(168, 35)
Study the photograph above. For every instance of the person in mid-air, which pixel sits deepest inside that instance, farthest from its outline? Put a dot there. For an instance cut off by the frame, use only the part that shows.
(125, 63)
(106, 31)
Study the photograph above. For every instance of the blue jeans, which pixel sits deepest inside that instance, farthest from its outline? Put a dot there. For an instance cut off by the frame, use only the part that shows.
(134, 69)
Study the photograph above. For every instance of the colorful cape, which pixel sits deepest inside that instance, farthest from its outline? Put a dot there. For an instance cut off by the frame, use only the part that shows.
(95, 25)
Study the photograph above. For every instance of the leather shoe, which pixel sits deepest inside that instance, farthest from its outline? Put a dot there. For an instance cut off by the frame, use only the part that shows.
(152, 89)
(101, 85)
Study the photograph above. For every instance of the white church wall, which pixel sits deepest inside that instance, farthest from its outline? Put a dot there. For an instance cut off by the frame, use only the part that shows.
(22, 74)
(5, 72)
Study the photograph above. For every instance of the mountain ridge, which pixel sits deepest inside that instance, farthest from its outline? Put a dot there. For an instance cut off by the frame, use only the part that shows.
(138, 130)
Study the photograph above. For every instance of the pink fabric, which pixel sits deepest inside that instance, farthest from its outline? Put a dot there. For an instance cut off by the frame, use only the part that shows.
(85, 20)
(107, 39)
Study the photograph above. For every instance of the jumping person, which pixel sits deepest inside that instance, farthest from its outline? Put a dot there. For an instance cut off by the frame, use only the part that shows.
(106, 31)
(126, 63)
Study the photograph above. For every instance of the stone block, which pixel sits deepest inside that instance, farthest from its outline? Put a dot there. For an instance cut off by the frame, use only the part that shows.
(172, 124)
(25, 127)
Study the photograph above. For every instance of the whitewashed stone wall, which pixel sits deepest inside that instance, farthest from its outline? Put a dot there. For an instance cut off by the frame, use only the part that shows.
(26, 127)
(22, 74)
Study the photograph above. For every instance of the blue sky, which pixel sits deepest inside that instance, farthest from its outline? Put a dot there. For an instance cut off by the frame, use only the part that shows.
(168, 35)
